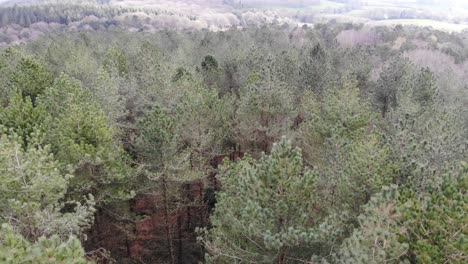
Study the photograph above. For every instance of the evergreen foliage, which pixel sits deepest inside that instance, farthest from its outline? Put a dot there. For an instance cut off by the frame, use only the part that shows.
(332, 153)
(20, 117)
(31, 78)
(33, 190)
(265, 112)
(260, 215)
(15, 249)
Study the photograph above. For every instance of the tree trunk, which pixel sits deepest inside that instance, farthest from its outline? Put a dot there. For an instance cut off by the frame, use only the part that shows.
(281, 258)
(166, 216)
(179, 226)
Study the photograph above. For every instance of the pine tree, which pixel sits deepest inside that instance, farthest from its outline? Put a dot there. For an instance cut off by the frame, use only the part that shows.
(115, 60)
(425, 88)
(21, 117)
(9, 60)
(147, 68)
(265, 112)
(80, 136)
(156, 143)
(424, 136)
(315, 72)
(203, 122)
(435, 226)
(394, 79)
(33, 187)
(210, 71)
(31, 78)
(340, 140)
(266, 209)
(110, 92)
(15, 249)
(341, 115)
(166, 166)
(376, 239)
(400, 225)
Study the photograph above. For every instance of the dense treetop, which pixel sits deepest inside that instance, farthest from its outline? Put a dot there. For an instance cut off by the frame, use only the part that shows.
(354, 151)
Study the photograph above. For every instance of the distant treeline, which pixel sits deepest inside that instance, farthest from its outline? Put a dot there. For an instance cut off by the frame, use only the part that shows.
(60, 13)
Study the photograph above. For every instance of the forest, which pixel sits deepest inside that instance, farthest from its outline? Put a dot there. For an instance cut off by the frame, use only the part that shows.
(278, 143)
(24, 20)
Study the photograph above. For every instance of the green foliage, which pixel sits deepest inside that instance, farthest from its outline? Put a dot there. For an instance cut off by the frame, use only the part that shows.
(78, 129)
(21, 117)
(401, 226)
(359, 162)
(116, 61)
(261, 212)
(157, 136)
(340, 140)
(265, 112)
(33, 188)
(210, 71)
(342, 115)
(15, 249)
(180, 73)
(316, 70)
(376, 239)
(355, 171)
(394, 79)
(203, 123)
(73, 57)
(423, 138)
(209, 63)
(147, 69)
(31, 78)
(79, 136)
(425, 88)
(173, 114)
(9, 59)
(109, 92)
(435, 223)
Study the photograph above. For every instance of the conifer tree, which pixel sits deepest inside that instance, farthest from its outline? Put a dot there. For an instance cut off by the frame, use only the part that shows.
(266, 209)
(315, 72)
(340, 140)
(21, 117)
(210, 71)
(115, 60)
(166, 166)
(376, 239)
(425, 90)
(424, 136)
(33, 187)
(265, 112)
(402, 225)
(9, 58)
(204, 123)
(16, 249)
(110, 91)
(394, 79)
(434, 223)
(80, 136)
(31, 78)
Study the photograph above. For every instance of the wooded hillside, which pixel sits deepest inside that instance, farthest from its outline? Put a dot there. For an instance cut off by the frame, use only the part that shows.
(336, 143)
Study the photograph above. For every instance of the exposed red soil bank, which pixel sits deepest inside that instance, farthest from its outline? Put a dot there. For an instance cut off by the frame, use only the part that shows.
(137, 233)
(144, 240)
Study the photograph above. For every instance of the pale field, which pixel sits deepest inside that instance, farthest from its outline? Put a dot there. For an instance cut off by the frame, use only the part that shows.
(439, 25)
